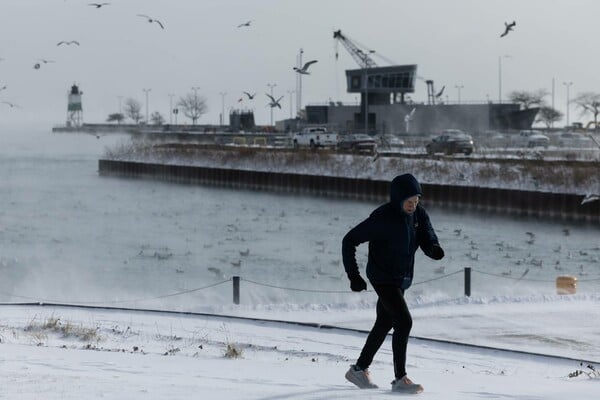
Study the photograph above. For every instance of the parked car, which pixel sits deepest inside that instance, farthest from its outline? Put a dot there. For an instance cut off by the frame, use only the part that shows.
(451, 141)
(572, 139)
(389, 142)
(531, 138)
(357, 143)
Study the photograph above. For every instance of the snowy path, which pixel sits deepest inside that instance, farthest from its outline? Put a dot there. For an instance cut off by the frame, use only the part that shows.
(141, 355)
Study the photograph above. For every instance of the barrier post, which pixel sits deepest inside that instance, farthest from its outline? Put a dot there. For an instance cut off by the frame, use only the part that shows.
(468, 281)
(236, 290)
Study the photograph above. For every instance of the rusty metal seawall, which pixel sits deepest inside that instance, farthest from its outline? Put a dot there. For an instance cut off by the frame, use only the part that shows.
(503, 201)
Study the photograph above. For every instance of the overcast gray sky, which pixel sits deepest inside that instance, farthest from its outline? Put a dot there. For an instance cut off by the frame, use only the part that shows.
(454, 42)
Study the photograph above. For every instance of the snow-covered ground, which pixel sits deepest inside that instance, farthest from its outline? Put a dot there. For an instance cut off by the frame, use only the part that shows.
(64, 353)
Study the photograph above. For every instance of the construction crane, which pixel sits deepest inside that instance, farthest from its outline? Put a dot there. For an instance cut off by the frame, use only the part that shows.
(361, 57)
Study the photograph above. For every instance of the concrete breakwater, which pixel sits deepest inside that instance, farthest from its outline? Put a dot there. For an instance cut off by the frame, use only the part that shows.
(504, 201)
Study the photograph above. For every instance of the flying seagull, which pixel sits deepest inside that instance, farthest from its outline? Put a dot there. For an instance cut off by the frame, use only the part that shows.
(151, 20)
(68, 43)
(11, 105)
(250, 96)
(98, 5)
(37, 65)
(304, 69)
(439, 94)
(508, 27)
(274, 103)
(3, 87)
(245, 24)
(589, 198)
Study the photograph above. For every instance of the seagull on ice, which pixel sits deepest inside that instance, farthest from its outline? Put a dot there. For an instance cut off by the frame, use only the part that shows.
(244, 24)
(68, 43)
(304, 69)
(250, 96)
(589, 198)
(274, 103)
(98, 5)
(151, 20)
(508, 27)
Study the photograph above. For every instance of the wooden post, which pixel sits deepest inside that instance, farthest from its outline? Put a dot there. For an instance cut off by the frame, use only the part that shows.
(468, 281)
(236, 290)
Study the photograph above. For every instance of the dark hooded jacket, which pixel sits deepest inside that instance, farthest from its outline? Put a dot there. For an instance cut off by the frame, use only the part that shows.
(393, 237)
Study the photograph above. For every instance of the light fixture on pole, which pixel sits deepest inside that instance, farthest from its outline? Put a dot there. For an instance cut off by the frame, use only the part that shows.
(147, 91)
(290, 92)
(458, 87)
(500, 76)
(568, 85)
(222, 119)
(271, 85)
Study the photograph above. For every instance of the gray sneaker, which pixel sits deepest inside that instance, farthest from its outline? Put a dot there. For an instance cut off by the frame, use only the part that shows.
(360, 377)
(405, 385)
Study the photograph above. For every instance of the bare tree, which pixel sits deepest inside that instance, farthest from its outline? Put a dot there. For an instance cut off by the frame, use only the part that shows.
(116, 117)
(133, 109)
(549, 116)
(157, 118)
(193, 106)
(528, 99)
(589, 102)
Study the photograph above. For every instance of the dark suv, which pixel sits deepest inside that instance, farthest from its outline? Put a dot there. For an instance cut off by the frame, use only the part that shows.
(451, 141)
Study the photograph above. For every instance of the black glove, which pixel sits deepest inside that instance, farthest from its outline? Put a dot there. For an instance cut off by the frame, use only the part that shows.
(437, 253)
(357, 283)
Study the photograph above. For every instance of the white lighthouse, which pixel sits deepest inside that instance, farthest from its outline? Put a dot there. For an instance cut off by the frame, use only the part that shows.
(74, 108)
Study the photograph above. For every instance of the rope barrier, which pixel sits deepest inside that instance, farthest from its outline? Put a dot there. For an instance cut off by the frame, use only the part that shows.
(122, 301)
(183, 292)
(512, 277)
(296, 289)
(530, 279)
(439, 277)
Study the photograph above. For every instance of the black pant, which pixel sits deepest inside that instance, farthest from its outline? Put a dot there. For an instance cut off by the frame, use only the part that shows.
(392, 312)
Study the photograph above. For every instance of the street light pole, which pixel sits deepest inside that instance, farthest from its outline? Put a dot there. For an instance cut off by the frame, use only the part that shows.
(458, 87)
(120, 108)
(195, 89)
(272, 85)
(147, 91)
(290, 92)
(500, 76)
(568, 85)
(299, 83)
(222, 107)
(171, 109)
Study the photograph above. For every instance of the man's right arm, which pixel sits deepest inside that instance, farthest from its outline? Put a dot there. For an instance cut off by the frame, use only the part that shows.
(361, 233)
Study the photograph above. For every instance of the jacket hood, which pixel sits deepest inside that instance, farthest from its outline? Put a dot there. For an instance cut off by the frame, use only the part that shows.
(403, 187)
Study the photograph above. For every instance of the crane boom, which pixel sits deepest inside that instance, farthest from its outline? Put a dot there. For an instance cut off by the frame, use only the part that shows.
(361, 57)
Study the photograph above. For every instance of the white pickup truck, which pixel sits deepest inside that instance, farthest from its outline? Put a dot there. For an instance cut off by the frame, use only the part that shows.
(530, 138)
(314, 137)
